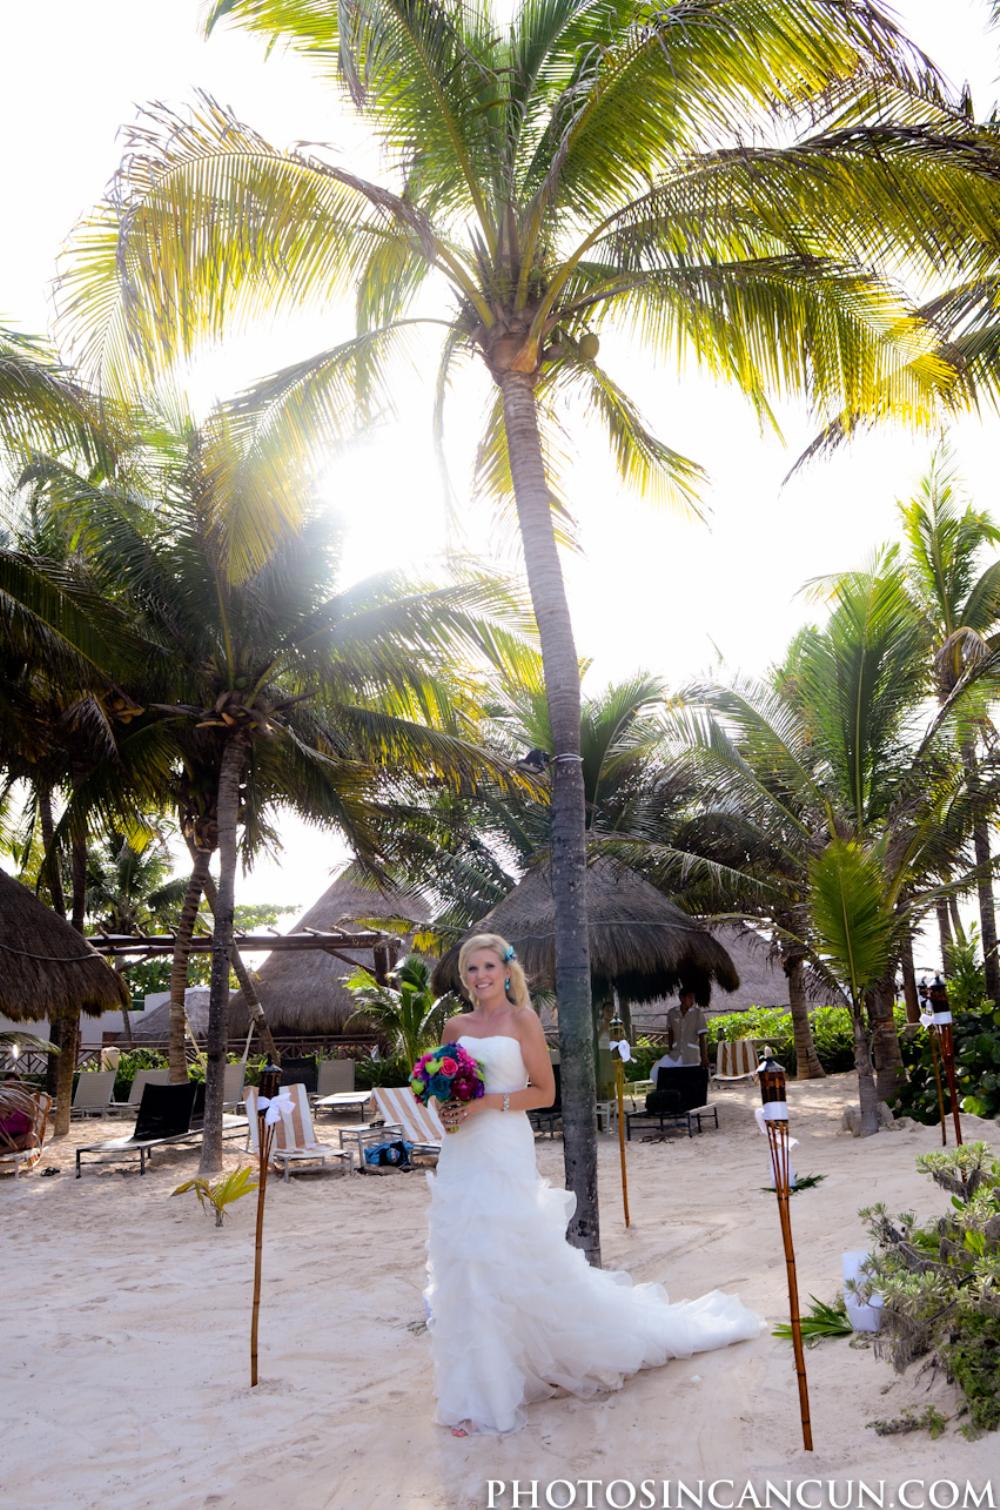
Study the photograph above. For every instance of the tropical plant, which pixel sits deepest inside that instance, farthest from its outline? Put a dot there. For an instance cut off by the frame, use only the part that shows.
(219, 1195)
(404, 1010)
(940, 1282)
(271, 689)
(961, 604)
(43, 406)
(849, 803)
(581, 168)
(823, 1319)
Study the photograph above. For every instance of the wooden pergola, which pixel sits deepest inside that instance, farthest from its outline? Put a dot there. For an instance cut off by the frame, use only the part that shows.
(332, 941)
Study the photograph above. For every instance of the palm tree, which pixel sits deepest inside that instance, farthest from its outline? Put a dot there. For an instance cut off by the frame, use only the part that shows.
(268, 690)
(830, 774)
(62, 719)
(961, 605)
(581, 167)
(44, 407)
(407, 1012)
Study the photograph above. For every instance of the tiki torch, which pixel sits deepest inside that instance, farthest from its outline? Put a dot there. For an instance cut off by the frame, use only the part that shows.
(927, 1019)
(622, 1053)
(774, 1116)
(942, 1022)
(268, 1111)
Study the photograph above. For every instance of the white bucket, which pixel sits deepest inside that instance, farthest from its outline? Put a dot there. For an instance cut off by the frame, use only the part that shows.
(863, 1318)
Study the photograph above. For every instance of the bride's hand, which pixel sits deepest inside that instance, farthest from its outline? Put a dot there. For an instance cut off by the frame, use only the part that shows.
(454, 1113)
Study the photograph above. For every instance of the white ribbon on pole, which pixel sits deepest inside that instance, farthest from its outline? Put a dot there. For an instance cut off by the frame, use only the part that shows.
(926, 1017)
(278, 1106)
(620, 1046)
(940, 1018)
(775, 1111)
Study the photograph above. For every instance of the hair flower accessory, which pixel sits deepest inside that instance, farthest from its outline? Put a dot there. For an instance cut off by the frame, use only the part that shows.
(508, 953)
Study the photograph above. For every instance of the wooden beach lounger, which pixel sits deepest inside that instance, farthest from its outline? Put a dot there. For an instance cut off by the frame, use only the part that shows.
(294, 1136)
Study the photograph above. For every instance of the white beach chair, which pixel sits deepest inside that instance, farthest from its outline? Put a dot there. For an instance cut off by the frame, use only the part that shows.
(93, 1094)
(142, 1079)
(422, 1125)
(335, 1077)
(294, 1137)
(736, 1060)
(232, 1087)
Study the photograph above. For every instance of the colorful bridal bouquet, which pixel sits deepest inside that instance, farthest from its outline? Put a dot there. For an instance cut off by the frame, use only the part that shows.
(447, 1073)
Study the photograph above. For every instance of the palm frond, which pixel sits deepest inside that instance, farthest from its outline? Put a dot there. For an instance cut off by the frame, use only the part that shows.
(853, 921)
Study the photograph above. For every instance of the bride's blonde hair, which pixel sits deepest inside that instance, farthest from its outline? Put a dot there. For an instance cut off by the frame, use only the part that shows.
(517, 991)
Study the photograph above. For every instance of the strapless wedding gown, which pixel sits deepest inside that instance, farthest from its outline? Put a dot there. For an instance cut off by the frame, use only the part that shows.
(516, 1311)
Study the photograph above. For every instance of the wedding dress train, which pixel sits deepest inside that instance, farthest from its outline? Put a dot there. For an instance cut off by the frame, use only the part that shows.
(516, 1312)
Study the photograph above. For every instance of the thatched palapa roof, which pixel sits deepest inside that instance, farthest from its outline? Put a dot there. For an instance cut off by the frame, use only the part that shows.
(303, 992)
(640, 942)
(45, 966)
(763, 982)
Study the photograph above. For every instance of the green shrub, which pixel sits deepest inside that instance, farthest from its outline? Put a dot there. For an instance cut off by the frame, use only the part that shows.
(376, 1072)
(940, 1282)
(132, 1060)
(976, 1033)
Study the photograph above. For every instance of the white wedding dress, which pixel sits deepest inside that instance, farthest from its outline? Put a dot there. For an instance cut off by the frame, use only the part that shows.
(516, 1312)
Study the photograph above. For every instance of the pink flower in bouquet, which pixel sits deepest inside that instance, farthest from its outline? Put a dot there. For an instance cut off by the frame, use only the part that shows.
(448, 1073)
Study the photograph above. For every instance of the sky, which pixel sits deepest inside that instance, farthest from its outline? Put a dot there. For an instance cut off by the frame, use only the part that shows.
(649, 589)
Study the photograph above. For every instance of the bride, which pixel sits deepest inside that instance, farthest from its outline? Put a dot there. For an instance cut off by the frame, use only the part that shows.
(516, 1311)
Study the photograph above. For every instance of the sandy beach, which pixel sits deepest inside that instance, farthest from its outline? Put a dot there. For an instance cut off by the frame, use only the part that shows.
(126, 1377)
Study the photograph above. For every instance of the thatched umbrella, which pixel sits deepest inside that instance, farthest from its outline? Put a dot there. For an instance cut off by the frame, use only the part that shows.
(303, 992)
(48, 970)
(45, 966)
(640, 943)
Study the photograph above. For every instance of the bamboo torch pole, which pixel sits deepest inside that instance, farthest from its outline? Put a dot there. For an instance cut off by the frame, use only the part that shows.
(775, 1116)
(927, 1018)
(942, 1023)
(621, 1051)
(270, 1079)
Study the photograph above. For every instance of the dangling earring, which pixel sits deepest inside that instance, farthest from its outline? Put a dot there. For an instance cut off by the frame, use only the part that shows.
(506, 984)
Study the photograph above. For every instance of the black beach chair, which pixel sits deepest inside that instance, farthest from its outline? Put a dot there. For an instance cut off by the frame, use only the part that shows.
(301, 1072)
(166, 1116)
(679, 1099)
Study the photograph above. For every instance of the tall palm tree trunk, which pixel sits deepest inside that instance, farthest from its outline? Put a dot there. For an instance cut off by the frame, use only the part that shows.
(944, 929)
(984, 881)
(867, 1094)
(69, 1019)
(231, 770)
(910, 995)
(179, 965)
(807, 1065)
(53, 879)
(50, 870)
(255, 1007)
(890, 1073)
(569, 865)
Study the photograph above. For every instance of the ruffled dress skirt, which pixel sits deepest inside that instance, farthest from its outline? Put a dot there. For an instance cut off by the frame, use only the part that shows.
(516, 1312)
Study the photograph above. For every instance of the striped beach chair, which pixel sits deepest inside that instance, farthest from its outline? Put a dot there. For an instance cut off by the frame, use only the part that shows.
(422, 1126)
(736, 1060)
(294, 1136)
